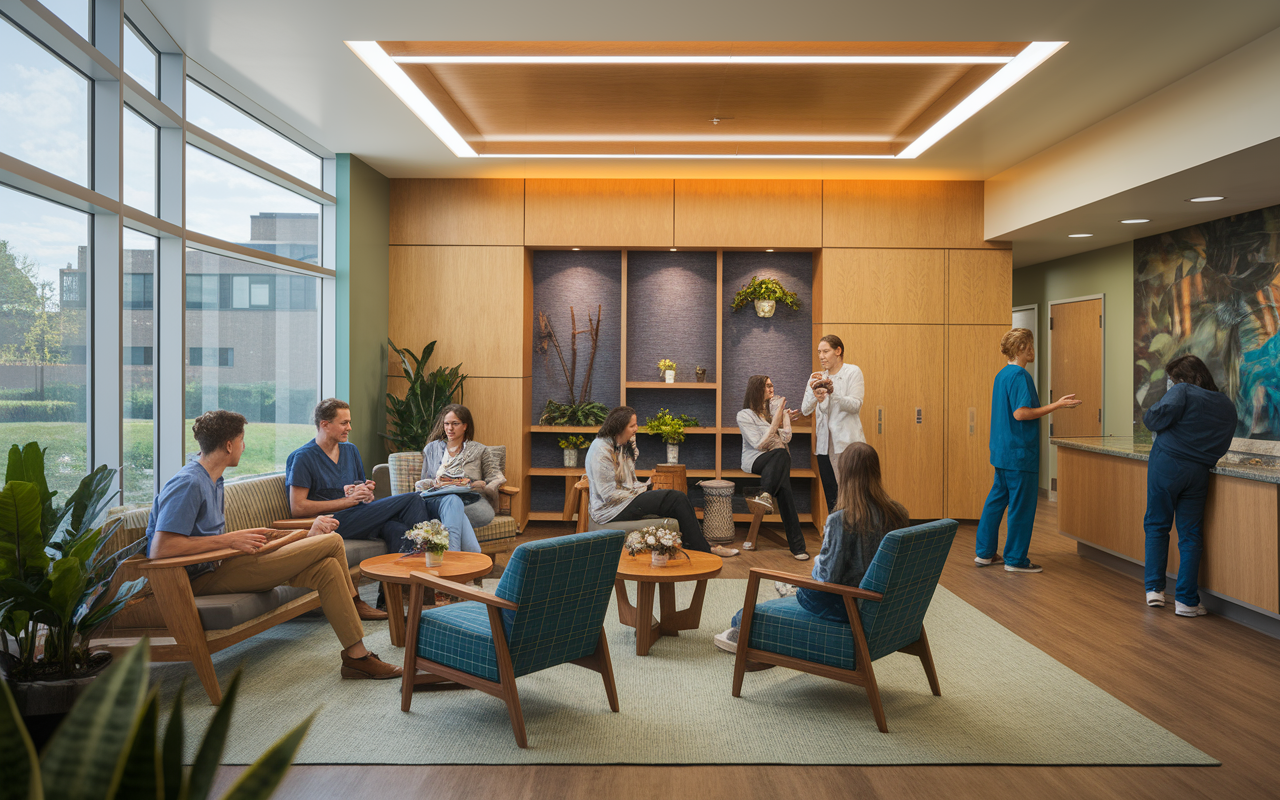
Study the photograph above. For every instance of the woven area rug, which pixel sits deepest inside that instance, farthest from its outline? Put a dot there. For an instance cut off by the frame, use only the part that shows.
(1003, 702)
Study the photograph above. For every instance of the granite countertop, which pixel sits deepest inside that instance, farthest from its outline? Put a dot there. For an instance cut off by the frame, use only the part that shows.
(1249, 466)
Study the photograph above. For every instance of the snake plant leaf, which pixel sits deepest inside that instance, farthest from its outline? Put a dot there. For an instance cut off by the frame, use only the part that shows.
(200, 779)
(19, 767)
(141, 778)
(171, 750)
(85, 758)
(21, 539)
(99, 613)
(261, 779)
(66, 583)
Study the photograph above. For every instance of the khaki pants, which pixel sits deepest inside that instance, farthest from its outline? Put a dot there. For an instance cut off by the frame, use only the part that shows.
(318, 562)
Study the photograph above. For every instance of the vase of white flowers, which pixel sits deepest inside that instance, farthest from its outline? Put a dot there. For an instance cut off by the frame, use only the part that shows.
(430, 539)
(661, 543)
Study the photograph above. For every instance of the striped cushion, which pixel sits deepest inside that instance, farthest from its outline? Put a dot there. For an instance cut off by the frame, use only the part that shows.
(459, 636)
(500, 528)
(785, 627)
(494, 463)
(256, 502)
(906, 571)
(406, 470)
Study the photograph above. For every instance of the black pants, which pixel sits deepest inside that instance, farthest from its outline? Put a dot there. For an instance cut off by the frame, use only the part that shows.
(774, 469)
(829, 487)
(668, 503)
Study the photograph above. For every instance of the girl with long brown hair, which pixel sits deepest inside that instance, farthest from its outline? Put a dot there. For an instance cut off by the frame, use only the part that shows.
(864, 514)
(765, 425)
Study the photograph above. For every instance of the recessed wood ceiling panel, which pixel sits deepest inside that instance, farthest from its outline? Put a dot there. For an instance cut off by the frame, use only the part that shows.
(665, 108)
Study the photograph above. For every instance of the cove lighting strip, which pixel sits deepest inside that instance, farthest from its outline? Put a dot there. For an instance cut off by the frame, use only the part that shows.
(388, 71)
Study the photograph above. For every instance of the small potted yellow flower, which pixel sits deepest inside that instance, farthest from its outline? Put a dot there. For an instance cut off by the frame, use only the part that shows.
(571, 445)
(668, 369)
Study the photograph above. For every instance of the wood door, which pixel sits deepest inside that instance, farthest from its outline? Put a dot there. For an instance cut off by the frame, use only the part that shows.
(1075, 341)
(973, 359)
(902, 412)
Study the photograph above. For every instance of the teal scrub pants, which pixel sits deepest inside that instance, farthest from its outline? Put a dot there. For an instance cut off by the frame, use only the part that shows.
(1018, 491)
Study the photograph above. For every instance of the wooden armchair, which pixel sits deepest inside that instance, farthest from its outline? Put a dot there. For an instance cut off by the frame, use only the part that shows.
(895, 595)
(576, 501)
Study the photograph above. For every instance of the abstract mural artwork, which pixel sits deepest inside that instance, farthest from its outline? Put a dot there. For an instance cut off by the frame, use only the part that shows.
(1211, 290)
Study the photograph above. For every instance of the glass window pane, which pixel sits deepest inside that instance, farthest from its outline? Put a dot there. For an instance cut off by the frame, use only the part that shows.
(44, 105)
(141, 254)
(227, 122)
(238, 206)
(141, 145)
(140, 60)
(73, 12)
(44, 268)
(260, 362)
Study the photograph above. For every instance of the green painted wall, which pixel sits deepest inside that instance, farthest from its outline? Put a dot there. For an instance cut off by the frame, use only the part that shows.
(363, 243)
(1108, 272)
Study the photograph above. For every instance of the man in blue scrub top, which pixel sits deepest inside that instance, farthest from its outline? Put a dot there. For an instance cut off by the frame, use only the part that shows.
(1015, 453)
(326, 476)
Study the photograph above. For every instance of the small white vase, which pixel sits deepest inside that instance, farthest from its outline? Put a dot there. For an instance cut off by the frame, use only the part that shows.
(765, 308)
(434, 559)
(673, 454)
(571, 457)
(669, 375)
(658, 559)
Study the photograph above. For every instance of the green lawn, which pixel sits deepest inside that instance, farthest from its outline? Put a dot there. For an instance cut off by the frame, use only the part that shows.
(267, 445)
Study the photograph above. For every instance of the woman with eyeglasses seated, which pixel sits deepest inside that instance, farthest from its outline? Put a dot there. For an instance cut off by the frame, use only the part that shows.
(616, 494)
(453, 457)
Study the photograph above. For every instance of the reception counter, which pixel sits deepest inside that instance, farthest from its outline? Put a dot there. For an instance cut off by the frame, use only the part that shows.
(1102, 494)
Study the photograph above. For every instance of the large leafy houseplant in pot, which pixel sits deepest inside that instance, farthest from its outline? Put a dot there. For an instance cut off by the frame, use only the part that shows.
(56, 571)
(414, 415)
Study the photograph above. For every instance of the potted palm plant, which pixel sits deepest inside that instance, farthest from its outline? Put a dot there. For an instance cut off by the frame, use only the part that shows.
(413, 416)
(766, 293)
(56, 570)
(671, 429)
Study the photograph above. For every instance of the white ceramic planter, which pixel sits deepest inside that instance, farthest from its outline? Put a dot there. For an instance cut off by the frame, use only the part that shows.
(657, 559)
(669, 375)
(571, 457)
(673, 454)
(765, 308)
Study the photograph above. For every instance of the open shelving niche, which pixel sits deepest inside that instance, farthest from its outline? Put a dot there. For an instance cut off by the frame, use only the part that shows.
(677, 305)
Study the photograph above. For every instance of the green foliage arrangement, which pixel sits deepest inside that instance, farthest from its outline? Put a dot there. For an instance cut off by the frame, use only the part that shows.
(669, 427)
(765, 289)
(584, 413)
(109, 746)
(572, 443)
(666, 364)
(415, 415)
(54, 568)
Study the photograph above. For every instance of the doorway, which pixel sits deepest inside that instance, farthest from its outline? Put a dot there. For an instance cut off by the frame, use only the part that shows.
(1076, 364)
(1029, 317)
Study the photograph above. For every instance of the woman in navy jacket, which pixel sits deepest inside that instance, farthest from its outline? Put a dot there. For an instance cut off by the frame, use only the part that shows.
(1193, 424)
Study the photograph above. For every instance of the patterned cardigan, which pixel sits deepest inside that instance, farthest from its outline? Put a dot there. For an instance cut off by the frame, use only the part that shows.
(472, 466)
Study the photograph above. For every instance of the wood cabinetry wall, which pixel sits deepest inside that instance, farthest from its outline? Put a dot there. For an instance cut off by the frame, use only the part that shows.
(902, 275)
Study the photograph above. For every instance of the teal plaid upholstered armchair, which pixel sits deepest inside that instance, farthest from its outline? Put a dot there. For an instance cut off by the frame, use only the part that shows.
(886, 615)
(548, 609)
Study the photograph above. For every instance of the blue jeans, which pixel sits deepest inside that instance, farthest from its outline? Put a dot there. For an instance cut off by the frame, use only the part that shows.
(390, 517)
(1018, 491)
(1175, 488)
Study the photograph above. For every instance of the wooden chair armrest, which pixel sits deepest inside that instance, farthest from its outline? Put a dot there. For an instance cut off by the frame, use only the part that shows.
(220, 554)
(805, 582)
(507, 488)
(582, 484)
(301, 523)
(460, 590)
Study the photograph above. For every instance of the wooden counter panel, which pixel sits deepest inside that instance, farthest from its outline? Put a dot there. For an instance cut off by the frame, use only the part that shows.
(1102, 500)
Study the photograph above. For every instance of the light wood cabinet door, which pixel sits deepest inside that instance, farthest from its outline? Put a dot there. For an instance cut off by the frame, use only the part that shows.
(903, 214)
(1075, 366)
(744, 213)
(902, 412)
(880, 286)
(461, 211)
(979, 287)
(598, 213)
(973, 359)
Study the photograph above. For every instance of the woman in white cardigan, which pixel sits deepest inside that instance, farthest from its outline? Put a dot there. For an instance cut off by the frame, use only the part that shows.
(453, 457)
(836, 395)
(765, 424)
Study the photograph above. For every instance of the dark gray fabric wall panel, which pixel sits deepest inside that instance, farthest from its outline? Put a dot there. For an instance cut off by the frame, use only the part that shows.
(583, 279)
(779, 346)
(545, 449)
(697, 451)
(698, 403)
(546, 493)
(671, 313)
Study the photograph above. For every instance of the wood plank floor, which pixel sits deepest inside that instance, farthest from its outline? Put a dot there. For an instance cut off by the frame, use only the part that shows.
(1211, 681)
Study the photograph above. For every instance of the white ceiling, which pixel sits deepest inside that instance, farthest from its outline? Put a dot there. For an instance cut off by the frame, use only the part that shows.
(289, 56)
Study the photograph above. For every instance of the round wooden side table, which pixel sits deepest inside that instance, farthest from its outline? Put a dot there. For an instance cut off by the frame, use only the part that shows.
(698, 567)
(393, 569)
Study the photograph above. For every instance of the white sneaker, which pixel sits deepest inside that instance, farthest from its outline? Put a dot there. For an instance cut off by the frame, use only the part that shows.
(724, 552)
(727, 640)
(761, 502)
(1027, 568)
(784, 589)
(1155, 599)
(801, 556)
(1189, 611)
(748, 546)
(986, 562)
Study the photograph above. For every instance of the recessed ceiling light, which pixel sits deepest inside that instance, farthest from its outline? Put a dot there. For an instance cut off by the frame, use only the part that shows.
(673, 249)
(1079, 235)
(1209, 198)
(577, 248)
(1133, 221)
(770, 250)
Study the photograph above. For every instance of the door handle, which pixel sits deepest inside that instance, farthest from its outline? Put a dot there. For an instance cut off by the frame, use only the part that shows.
(973, 420)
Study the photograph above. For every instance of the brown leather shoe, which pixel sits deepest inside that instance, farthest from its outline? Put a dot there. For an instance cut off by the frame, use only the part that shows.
(370, 667)
(368, 612)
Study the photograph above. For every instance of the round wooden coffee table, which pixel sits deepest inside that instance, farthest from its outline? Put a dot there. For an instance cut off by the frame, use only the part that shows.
(393, 569)
(698, 567)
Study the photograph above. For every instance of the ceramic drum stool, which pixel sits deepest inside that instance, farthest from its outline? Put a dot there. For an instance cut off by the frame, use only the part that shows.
(717, 511)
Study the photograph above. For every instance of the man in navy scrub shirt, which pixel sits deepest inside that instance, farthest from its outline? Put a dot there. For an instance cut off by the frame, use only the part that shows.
(326, 476)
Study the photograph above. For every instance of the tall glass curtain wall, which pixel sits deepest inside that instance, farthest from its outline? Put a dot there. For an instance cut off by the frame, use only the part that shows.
(251, 329)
